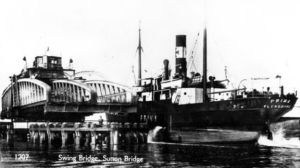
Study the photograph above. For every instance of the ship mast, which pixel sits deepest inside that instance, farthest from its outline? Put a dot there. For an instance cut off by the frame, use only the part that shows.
(204, 80)
(139, 48)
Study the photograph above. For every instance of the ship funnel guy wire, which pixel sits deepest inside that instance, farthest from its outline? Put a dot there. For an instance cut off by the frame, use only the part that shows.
(47, 51)
(191, 61)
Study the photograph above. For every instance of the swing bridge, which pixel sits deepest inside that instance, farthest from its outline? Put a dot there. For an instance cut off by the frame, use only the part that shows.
(65, 100)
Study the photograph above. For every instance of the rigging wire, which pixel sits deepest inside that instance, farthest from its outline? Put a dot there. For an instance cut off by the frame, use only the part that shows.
(132, 68)
(191, 61)
(133, 75)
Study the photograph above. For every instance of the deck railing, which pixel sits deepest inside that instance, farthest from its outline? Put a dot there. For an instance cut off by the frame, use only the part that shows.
(242, 93)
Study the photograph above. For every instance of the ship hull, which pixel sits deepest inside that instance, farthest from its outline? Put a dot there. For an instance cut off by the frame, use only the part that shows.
(197, 136)
(216, 122)
(214, 136)
(244, 114)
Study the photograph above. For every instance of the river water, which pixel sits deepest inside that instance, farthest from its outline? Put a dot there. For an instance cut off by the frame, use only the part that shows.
(277, 153)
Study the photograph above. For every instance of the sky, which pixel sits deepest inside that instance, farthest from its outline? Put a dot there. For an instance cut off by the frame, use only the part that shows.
(253, 39)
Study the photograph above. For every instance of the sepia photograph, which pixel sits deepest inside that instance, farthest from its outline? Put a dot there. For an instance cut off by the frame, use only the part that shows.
(140, 83)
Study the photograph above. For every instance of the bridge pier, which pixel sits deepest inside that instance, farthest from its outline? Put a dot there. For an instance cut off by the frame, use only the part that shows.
(78, 137)
(89, 135)
(114, 134)
(134, 138)
(100, 140)
(10, 135)
(48, 132)
(106, 140)
(64, 138)
(35, 137)
(87, 139)
(93, 138)
(50, 138)
(140, 137)
(145, 137)
(54, 138)
(78, 134)
(42, 136)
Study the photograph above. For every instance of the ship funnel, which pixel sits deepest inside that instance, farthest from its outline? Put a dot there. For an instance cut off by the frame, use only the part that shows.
(166, 70)
(180, 52)
(181, 41)
(281, 91)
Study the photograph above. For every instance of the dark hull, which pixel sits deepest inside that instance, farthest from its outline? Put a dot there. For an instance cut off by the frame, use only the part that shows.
(242, 114)
(214, 136)
(230, 121)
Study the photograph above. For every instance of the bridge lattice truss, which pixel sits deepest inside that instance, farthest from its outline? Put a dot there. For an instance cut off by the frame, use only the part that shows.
(26, 92)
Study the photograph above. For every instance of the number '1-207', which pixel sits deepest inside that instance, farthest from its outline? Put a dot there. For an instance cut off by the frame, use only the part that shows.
(21, 156)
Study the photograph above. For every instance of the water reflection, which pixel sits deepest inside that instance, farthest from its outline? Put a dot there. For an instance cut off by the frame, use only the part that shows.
(212, 155)
(153, 155)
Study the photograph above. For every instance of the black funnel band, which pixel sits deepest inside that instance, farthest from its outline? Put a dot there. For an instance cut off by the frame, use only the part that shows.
(181, 41)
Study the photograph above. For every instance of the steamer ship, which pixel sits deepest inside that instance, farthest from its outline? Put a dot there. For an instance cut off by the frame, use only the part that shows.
(200, 109)
(192, 109)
